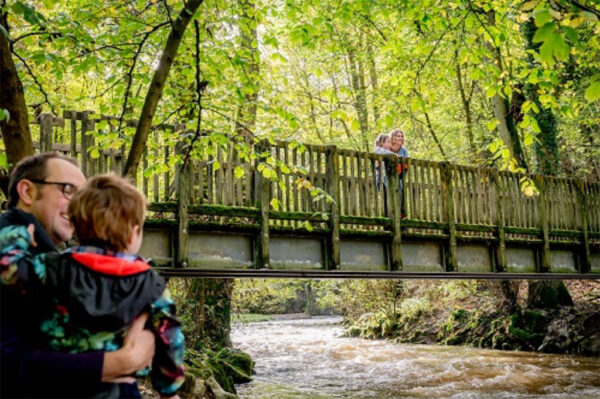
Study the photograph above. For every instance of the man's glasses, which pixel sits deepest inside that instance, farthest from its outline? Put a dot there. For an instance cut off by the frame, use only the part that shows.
(67, 189)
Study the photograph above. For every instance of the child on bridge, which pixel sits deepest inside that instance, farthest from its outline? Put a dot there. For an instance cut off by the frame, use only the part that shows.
(87, 296)
(383, 145)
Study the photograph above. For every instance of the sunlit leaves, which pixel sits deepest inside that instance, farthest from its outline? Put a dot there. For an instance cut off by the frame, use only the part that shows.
(29, 14)
(592, 93)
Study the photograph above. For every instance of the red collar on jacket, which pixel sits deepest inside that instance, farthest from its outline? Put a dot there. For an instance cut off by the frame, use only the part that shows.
(109, 264)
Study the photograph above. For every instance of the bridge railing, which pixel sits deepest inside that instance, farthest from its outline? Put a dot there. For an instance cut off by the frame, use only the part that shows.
(479, 194)
(451, 202)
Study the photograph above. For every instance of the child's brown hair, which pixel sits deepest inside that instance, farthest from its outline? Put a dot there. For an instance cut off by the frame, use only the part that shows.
(105, 211)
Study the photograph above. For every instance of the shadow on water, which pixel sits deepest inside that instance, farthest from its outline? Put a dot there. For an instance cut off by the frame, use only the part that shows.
(308, 358)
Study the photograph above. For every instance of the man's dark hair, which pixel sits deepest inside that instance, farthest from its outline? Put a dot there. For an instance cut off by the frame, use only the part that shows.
(31, 168)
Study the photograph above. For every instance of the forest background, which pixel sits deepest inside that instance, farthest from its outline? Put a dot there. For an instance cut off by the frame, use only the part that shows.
(509, 84)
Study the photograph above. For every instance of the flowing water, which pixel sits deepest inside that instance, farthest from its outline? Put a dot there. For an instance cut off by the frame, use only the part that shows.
(308, 358)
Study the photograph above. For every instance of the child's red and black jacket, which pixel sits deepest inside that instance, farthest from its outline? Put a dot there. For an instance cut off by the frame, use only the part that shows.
(87, 297)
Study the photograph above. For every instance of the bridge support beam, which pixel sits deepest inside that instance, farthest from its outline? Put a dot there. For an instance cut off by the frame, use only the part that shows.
(585, 258)
(333, 180)
(183, 201)
(262, 190)
(394, 211)
(546, 262)
(448, 198)
(500, 250)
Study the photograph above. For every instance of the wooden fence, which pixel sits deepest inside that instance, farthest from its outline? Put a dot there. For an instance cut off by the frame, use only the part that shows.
(226, 187)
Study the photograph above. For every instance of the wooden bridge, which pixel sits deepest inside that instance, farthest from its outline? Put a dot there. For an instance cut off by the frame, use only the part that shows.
(234, 214)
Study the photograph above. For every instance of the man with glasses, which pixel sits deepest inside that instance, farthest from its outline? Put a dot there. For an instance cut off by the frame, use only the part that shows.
(39, 192)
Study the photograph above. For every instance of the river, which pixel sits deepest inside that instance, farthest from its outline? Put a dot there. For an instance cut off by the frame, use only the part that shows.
(308, 358)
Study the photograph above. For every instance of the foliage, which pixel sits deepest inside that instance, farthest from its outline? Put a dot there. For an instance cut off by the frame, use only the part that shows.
(329, 74)
(276, 296)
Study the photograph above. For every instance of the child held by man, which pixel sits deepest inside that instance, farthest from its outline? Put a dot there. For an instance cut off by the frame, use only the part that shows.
(87, 296)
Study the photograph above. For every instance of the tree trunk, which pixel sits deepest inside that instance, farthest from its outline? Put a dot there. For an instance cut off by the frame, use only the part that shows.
(157, 85)
(218, 292)
(548, 294)
(466, 102)
(506, 127)
(311, 304)
(374, 86)
(246, 113)
(15, 131)
(209, 306)
(357, 75)
(311, 105)
(544, 294)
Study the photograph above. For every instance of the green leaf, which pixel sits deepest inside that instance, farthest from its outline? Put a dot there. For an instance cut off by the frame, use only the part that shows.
(490, 92)
(307, 225)
(4, 115)
(29, 13)
(275, 204)
(542, 16)
(3, 161)
(546, 51)
(544, 33)
(416, 104)
(592, 93)
(239, 172)
(571, 34)
(561, 48)
(534, 125)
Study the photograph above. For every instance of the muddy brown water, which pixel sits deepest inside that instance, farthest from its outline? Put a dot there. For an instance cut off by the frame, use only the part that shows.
(308, 358)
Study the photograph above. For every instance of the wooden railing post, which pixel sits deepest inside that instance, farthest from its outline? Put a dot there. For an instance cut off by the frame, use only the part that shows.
(87, 124)
(586, 255)
(501, 262)
(333, 182)
(72, 116)
(262, 194)
(448, 197)
(183, 190)
(394, 211)
(545, 264)
(45, 121)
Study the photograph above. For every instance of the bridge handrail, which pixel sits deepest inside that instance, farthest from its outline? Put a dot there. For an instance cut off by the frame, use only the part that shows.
(438, 196)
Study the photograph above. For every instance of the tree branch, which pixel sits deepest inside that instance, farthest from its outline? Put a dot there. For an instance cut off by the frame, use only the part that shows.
(168, 13)
(157, 85)
(437, 43)
(241, 124)
(200, 87)
(585, 7)
(37, 82)
(130, 73)
(55, 34)
(374, 26)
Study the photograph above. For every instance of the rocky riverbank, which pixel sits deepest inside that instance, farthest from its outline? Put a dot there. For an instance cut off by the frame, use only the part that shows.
(472, 313)
(210, 375)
